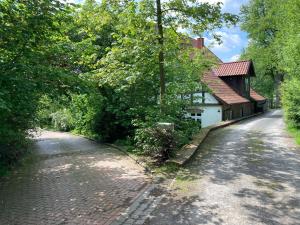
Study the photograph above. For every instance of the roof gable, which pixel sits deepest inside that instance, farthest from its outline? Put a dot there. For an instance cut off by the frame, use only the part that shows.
(239, 68)
(221, 90)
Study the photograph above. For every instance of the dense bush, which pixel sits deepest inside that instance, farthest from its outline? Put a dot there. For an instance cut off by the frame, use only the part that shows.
(86, 113)
(185, 129)
(61, 120)
(156, 142)
(18, 101)
(29, 31)
(291, 101)
(161, 143)
(80, 113)
(47, 107)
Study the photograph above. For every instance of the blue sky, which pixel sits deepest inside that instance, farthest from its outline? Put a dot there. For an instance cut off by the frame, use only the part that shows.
(233, 39)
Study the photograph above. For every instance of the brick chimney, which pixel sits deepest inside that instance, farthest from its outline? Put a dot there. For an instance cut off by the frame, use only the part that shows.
(198, 43)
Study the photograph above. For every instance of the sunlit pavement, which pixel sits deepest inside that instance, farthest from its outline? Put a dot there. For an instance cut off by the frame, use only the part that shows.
(71, 181)
(247, 173)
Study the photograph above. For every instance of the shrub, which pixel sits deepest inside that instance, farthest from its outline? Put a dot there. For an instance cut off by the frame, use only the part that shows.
(47, 107)
(291, 101)
(12, 146)
(185, 129)
(156, 142)
(18, 99)
(77, 112)
(160, 143)
(62, 120)
(85, 111)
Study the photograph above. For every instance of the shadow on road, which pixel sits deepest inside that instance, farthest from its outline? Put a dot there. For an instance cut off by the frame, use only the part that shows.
(255, 169)
(87, 184)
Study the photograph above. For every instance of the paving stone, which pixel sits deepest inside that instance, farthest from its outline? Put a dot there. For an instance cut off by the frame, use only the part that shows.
(74, 181)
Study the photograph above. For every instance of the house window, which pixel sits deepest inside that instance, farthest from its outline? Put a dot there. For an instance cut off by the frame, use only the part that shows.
(198, 114)
(192, 114)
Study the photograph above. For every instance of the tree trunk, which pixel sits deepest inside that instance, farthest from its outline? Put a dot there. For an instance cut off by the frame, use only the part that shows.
(161, 54)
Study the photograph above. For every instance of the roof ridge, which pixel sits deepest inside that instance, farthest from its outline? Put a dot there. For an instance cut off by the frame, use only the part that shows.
(236, 62)
(236, 68)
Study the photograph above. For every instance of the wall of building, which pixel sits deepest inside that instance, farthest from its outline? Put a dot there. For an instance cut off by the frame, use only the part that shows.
(205, 108)
(205, 114)
(206, 98)
(238, 84)
(238, 110)
(208, 111)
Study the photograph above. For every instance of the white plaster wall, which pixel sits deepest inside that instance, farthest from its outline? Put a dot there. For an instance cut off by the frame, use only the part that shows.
(208, 98)
(211, 115)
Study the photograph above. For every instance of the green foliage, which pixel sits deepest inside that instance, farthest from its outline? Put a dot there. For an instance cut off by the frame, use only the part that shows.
(86, 113)
(294, 132)
(273, 27)
(93, 68)
(29, 30)
(162, 143)
(185, 130)
(89, 34)
(46, 107)
(291, 101)
(80, 113)
(61, 120)
(156, 142)
(287, 39)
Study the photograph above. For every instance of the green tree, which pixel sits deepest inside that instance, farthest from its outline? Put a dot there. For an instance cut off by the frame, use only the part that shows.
(260, 20)
(273, 28)
(29, 67)
(191, 15)
(289, 53)
(287, 40)
(291, 101)
(128, 75)
(88, 36)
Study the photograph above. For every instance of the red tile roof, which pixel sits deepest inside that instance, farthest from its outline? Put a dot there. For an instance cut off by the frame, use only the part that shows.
(221, 90)
(234, 68)
(256, 96)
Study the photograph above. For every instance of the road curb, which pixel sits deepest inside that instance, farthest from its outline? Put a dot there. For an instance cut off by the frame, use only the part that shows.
(137, 161)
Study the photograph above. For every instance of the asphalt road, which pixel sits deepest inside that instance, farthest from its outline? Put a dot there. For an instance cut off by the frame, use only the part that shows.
(245, 174)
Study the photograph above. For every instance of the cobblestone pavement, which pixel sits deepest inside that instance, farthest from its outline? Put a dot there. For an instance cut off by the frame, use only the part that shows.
(245, 174)
(72, 181)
